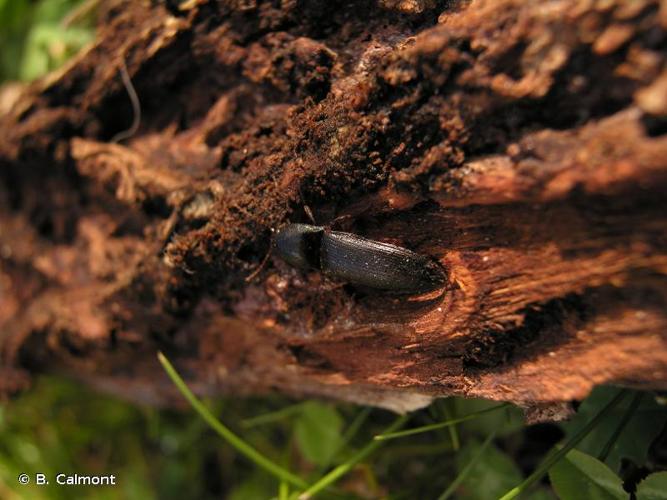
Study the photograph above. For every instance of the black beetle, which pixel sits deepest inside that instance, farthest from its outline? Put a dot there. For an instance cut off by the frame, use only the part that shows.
(357, 260)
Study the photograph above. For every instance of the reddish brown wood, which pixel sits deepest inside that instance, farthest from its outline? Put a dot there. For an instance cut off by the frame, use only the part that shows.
(522, 144)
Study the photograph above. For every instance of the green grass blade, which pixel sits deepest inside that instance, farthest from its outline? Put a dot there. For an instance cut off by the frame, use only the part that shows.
(428, 428)
(356, 424)
(349, 435)
(283, 491)
(274, 416)
(347, 466)
(627, 416)
(453, 432)
(466, 470)
(572, 442)
(231, 438)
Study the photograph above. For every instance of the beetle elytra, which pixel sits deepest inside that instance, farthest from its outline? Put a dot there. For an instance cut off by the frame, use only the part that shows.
(359, 261)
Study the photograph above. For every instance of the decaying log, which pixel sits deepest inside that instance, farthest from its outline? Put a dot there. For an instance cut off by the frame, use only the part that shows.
(521, 144)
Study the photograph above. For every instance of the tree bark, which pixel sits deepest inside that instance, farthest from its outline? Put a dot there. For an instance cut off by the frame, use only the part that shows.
(521, 144)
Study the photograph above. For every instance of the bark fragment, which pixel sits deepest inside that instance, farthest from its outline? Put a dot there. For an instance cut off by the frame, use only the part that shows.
(521, 144)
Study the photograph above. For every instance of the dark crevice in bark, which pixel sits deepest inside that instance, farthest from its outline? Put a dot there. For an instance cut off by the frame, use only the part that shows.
(495, 348)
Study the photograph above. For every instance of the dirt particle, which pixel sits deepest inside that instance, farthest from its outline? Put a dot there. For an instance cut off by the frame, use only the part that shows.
(613, 38)
(653, 98)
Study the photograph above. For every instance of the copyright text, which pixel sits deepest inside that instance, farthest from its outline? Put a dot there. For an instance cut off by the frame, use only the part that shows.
(70, 479)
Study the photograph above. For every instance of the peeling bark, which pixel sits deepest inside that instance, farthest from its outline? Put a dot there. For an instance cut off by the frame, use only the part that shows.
(521, 144)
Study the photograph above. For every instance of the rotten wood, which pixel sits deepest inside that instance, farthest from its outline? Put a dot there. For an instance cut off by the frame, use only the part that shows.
(522, 144)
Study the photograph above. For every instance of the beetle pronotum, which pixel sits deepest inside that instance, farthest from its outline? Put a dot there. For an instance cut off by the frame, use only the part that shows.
(357, 260)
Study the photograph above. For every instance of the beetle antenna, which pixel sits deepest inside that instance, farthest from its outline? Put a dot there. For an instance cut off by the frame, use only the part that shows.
(261, 266)
(306, 208)
(341, 218)
(309, 214)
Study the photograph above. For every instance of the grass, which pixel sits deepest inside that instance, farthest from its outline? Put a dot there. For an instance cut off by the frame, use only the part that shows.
(38, 36)
(272, 447)
(232, 439)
